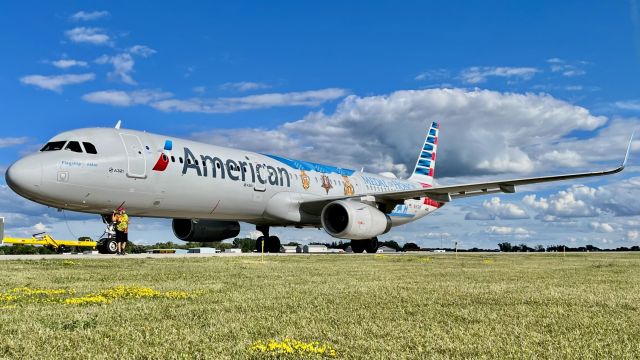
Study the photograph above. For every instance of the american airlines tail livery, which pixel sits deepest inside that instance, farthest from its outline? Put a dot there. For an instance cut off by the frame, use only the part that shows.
(208, 189)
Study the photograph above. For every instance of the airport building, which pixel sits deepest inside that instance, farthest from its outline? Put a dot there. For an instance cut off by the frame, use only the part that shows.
(290, 249)
(385, 249)
(315, 249)
(203, 250)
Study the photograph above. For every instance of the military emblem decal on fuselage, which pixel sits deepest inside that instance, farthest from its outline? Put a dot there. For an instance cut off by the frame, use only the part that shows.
(348, 188)
(306, 181)
(326, 183)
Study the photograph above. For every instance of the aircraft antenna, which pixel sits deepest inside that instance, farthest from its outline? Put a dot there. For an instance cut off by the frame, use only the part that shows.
(118, 124)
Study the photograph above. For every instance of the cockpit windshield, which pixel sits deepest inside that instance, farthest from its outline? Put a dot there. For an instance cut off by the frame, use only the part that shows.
(74, 146)
(89, 148)
(54, 146)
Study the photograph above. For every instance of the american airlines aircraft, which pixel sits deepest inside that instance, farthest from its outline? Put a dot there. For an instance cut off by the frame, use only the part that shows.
(208, 189)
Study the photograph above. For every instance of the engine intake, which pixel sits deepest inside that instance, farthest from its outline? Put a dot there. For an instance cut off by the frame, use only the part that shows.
(354, 220)
(204, 230)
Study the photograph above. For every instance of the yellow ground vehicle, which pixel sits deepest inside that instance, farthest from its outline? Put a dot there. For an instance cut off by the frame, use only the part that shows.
(46, 240)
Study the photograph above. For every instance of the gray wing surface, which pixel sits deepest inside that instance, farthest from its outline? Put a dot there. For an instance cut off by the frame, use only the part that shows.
(449, 192)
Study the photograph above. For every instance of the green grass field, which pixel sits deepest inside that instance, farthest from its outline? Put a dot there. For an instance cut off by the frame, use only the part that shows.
(583, 306)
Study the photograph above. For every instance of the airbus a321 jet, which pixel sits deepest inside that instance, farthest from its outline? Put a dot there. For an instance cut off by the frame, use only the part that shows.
(207, 190)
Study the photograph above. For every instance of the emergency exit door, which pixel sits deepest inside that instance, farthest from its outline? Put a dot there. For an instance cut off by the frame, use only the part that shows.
(137, 161)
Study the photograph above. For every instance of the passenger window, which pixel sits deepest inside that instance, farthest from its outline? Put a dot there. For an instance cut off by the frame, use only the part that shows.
(73, 146)
(54, 146)
(189, 161)
(173, 158)
(180, 160)
(89, 148)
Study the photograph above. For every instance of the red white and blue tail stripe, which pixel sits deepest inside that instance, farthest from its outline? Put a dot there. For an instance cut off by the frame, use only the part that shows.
(425, 166)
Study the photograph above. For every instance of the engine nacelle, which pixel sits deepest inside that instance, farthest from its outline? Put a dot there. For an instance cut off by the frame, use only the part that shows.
(204, 230)
(354, 220)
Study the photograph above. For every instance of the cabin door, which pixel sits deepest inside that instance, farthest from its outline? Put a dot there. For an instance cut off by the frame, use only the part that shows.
(136, 159)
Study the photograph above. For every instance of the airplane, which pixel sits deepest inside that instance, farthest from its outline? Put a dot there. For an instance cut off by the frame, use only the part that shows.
(207, 190)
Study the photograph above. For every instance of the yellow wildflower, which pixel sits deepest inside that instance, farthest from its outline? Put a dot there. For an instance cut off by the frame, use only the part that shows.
(293, 346)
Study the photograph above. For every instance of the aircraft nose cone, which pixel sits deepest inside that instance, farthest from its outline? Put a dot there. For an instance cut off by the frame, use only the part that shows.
(24, 176)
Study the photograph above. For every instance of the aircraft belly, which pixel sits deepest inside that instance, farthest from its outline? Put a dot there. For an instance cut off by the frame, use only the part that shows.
(209, 198)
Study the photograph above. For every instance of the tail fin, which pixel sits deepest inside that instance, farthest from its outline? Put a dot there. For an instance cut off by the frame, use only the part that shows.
(426, 164)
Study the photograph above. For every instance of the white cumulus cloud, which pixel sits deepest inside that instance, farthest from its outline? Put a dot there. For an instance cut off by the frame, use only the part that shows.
(601, 227)
(88, 35)
(573, 202)
(252, 102)
(124, 98)
(141, 50)
(562, 158)
(68, 63)
(88, 15)
(244, 86)
(633, 235)
(617, 198)
(504, 210)
(518, 232)
(566, 69)
(495, 208)
(480, 74)
(434, 74)
(123, 63)
(12, 141)
(633, 105)
(122, 67)
(56, 82)
(482, 131)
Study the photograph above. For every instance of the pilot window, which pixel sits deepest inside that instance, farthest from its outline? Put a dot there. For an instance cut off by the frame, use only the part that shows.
(89, 148)
(73, 146)
(54, 146)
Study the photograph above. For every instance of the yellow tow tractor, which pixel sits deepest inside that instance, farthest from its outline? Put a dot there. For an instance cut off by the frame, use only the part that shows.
(44, 239)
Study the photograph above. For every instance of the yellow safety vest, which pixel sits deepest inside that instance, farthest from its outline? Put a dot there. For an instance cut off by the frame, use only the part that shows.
(122, 222)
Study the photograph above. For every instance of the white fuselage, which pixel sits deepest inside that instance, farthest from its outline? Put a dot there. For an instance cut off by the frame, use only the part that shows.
(192, 180)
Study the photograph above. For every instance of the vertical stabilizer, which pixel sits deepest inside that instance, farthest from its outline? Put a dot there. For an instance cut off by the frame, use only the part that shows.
(425, 166)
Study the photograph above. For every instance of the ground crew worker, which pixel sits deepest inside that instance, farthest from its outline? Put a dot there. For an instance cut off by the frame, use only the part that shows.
(121, 220)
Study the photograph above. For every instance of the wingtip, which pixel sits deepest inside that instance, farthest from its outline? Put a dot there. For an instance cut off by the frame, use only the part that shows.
(626, 155)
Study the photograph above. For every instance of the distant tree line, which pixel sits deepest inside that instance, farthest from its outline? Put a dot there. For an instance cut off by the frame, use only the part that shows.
(249, 245)
(508, 247)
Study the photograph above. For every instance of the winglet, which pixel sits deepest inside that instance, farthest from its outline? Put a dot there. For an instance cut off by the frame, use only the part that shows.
(626, 156)
(118, 124)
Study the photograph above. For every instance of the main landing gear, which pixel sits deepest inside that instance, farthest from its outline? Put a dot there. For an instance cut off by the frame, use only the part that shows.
(271, 243)
(370, 245)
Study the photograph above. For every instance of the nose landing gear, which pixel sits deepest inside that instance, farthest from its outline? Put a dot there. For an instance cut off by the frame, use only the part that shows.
(107, 242)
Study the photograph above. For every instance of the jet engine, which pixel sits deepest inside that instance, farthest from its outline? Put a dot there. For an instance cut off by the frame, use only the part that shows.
(354, 220)
(204, 230)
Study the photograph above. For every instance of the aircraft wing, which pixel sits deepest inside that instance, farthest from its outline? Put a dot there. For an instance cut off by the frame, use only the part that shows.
(447, 193)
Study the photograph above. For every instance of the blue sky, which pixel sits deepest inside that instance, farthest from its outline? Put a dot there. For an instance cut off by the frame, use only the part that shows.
(520, 88)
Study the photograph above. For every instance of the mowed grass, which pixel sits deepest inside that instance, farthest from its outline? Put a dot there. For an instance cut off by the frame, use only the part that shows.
(582, 306)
